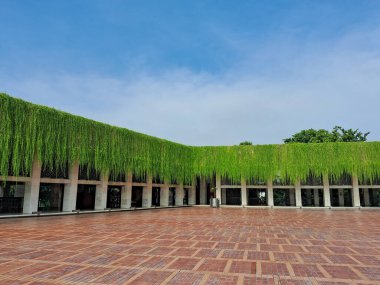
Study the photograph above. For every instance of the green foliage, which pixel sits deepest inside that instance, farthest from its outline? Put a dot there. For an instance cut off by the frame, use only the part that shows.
(57, 138)
(338, 134)
(246, 143)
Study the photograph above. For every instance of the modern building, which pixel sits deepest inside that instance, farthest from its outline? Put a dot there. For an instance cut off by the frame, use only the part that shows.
(51, 161)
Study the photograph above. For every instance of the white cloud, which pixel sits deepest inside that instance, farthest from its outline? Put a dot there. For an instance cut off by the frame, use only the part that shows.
(314, 89)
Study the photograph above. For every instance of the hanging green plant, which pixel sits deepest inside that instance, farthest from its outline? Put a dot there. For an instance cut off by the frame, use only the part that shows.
(58, 138)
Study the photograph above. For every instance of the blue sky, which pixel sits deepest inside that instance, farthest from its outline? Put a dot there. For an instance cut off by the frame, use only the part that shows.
(198, 72)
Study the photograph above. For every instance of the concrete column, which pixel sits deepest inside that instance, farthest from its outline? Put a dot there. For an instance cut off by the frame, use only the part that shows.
(297, 194)
(164, 195)
(126, 193)
(203, 191)
(70, 190)
(192, 194)
(367, 202)
(316, 197)
(179, 195)
(326, 191)
(218, 188)
(244, 192)
(32, 189)
(147, 193)
(101, 192)
(355, 191)
(270, 193)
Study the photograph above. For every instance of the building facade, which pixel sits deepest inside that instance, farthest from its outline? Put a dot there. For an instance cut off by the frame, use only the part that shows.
(51, 161)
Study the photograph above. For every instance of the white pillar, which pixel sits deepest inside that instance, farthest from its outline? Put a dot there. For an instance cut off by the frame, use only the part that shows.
(270, 193)
(126, 193)
(297, 194)
(32, 189)
(355, 191)
(367, 202)
(203, 191)
(164, 195)
(243, 192)
(101, 192)
(147, 193)
(326, 191)
(218, 188)
(316, 197)
(192, 194)
(70, 190)
(179, 195)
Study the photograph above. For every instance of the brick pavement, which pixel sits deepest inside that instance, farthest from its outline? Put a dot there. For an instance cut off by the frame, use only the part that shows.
(193, 246)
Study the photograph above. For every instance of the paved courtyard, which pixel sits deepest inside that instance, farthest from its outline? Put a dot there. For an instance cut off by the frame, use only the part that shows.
(193, 246)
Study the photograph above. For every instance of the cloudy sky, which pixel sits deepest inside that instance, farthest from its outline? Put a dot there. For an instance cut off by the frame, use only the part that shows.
(198, 72)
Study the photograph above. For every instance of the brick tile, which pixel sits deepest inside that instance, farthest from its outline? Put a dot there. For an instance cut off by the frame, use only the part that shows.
(277, 269)
(258, 255)
(184, 263)
(372, 273)
(85, 275)
(248, 280)
(157, 262)
(213, 265)
(233, 254)
(342, 272)
(152, 277)
(222, 280)
(57, 272)
(307, 270)
(247, 267)
(186, 278)
(117, 276)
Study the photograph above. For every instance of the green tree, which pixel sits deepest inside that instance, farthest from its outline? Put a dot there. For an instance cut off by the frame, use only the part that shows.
(246, 143)
(338, 134)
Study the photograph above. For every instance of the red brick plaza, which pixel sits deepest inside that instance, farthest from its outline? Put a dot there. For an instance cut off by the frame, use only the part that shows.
(193, 246)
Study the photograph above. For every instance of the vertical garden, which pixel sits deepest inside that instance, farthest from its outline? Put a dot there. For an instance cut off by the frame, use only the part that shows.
(58, 139)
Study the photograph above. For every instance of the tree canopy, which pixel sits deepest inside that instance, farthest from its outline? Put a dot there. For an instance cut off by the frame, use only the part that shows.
(246, 143)
(338, 134)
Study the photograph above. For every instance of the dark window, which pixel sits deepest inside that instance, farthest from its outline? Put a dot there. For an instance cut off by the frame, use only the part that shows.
(257, 197)
(50, 198)
(114, 197)
(137, 192)
(86, 197)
